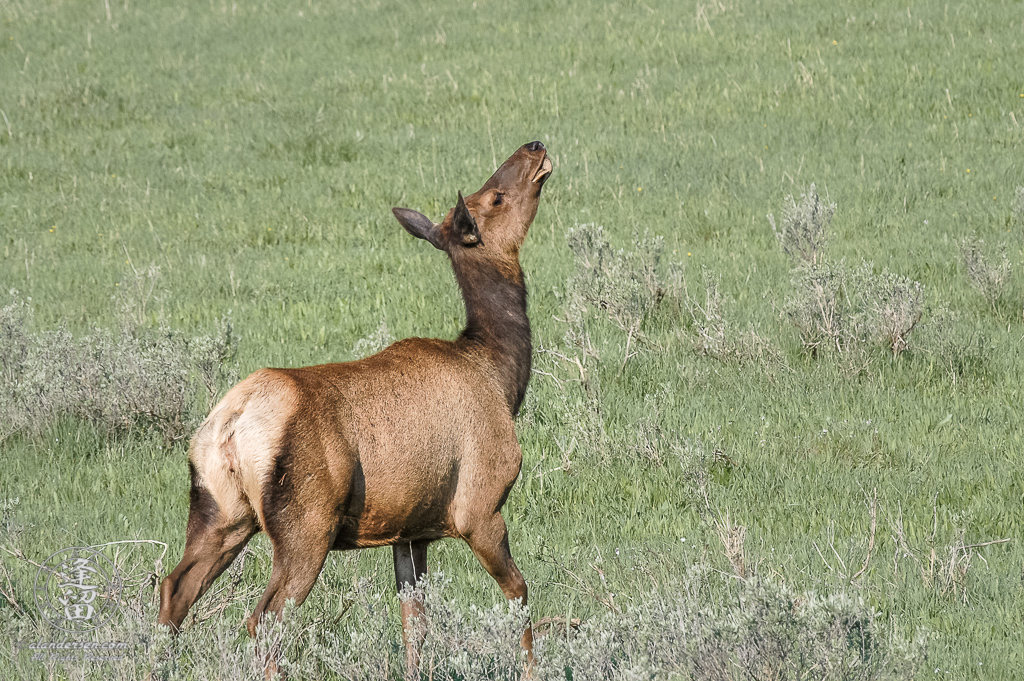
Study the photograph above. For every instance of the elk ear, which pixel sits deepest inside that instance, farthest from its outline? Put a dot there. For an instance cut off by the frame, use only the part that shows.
(464, 224)
(419, 225)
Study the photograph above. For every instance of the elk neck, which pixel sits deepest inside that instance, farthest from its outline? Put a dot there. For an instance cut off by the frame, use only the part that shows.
(496, 321)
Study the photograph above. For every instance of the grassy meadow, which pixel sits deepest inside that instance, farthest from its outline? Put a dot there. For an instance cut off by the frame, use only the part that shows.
(699, 476)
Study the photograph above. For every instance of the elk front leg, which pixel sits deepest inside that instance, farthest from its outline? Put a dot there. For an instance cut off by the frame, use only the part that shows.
(489, 542)
(410, 566)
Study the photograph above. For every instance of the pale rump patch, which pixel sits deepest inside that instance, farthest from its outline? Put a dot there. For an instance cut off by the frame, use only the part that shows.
(233, 452)
(214, 470)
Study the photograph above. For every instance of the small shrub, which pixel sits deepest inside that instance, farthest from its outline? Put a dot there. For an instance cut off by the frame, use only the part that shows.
(761, 631)
(834, 308)
(820, 308)
(366, 645)
(842, 310)
(804, 231)
(647, 440)
(625, 287)
(467, 643)
(895, 305)
(989, 274)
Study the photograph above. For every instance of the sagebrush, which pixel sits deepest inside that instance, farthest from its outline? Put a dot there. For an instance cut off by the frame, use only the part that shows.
(117, 379)
(686, 628)
(804, 232)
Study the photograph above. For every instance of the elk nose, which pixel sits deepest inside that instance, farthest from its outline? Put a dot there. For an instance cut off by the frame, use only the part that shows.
(534, 146)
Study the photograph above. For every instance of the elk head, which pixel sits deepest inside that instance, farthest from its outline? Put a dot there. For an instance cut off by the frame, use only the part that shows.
(492, 222)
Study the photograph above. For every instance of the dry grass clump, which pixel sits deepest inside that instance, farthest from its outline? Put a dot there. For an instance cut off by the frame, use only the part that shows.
(573, 368)
(989, 273)
(718, 337)
(378, 339)
(945, 569)
(625, 285)
(708, 11)
(733, 538)
(135, 376)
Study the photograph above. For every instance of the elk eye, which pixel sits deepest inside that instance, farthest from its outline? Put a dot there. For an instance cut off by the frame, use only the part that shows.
(498, 198)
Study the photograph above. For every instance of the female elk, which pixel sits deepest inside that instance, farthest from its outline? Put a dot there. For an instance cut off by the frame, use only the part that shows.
(402, 448)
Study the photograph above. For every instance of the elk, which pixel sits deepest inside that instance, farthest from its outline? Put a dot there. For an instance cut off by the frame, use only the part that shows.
(402, 448)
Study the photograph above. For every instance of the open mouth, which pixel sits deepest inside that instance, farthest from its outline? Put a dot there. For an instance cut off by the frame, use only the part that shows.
(543, 172)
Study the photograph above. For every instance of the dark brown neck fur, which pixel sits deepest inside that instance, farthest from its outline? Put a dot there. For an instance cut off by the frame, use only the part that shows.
(496, 319)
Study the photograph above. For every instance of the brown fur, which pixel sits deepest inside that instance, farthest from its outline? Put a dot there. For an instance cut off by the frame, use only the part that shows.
(408, 446)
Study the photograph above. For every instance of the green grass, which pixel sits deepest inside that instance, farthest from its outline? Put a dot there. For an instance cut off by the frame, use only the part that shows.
(254, 152)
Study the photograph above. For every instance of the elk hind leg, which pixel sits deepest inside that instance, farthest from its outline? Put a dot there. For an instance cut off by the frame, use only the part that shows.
(299, 555)
(212, 541)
